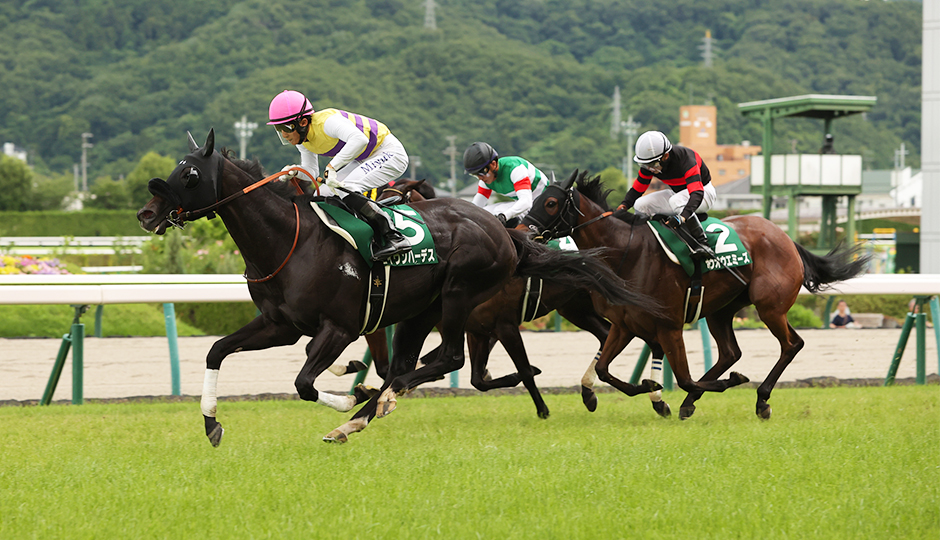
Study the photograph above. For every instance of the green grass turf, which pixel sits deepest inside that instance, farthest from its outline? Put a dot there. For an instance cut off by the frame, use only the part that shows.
(831, 463)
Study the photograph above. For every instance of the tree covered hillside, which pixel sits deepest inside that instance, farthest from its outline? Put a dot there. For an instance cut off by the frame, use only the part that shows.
(533, 77)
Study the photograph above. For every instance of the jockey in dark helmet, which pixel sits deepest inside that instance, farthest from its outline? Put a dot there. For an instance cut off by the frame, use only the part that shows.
(683, 170)
(365, 155)
(511, 176)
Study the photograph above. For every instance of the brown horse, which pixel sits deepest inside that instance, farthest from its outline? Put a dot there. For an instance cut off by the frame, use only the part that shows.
(320, 286)
(498, 319)
(773, 280)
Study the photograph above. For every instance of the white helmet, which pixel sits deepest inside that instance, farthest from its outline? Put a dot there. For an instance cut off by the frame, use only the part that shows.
(651, 146)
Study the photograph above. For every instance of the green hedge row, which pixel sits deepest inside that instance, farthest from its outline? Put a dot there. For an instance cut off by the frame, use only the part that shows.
(61, 223)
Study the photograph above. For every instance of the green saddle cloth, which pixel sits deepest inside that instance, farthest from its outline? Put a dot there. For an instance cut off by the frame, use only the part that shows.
(359, 234)
(722, 239)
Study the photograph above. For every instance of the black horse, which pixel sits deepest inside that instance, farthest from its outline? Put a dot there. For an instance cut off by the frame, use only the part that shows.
(306, 280)
(771, 283)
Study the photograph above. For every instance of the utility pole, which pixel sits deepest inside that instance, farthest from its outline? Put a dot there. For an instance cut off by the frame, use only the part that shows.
(630, 129)
(452, 152)
(430, 21)
(706, 46)
(415, 163)
(615, 119)
(85, 146)
(899, 157)
(244, 130)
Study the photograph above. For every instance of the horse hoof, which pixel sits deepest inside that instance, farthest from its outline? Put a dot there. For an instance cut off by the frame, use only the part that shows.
(686, 412)
(486, 376)
(364, 393)
(335, 436)
(387, 404)
(763, 411)
(543, 414)
(662, 409)
(736, 378)
(649, 385)
(589, 398)
(215, 437)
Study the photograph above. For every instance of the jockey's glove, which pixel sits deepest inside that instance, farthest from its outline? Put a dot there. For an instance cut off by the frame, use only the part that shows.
(501, 218)
(674, 222)
(331, 179)
(299, 174)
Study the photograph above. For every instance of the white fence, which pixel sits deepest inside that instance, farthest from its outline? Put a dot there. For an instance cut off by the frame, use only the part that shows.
(171, 288)
(88, 245)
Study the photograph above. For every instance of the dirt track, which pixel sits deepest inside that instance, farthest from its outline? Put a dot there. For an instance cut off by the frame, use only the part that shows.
(129, 367)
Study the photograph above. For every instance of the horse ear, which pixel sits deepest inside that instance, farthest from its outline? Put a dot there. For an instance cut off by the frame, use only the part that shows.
(192, 142)
(210, 143)
(566, 185)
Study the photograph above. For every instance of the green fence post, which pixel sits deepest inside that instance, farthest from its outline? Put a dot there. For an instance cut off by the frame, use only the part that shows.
(899, 351)
(706, 344)
(78, 363)
(640, 365)
(98, 313)
(56, 369)
(828, 311)
(921, 321)
(935, 315)
(667, 375)
(169, 318)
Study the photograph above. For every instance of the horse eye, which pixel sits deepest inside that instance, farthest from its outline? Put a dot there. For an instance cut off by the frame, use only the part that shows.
(191, 178)
(551, 204)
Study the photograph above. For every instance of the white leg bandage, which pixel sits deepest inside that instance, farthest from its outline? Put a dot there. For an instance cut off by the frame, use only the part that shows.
(656, 373)
(587, 380)
(209, 388)
(339, 403)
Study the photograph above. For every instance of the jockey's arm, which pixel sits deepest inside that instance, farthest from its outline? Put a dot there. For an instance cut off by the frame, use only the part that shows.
(340, 127)
(482, 196)
(309, 161)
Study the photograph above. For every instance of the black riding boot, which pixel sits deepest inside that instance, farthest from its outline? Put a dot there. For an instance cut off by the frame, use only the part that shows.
(395, 242)
(698, 245)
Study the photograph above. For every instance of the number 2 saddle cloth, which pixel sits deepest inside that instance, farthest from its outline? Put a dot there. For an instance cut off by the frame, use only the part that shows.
(722, 239)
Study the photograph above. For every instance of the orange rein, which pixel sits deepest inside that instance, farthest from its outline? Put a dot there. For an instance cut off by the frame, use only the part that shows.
(293, 179)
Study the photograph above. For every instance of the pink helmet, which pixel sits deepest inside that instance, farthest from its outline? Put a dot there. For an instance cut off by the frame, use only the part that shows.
(288, 106)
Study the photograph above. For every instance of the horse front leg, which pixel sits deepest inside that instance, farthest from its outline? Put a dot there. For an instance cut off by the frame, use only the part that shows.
(720, 325)
(617, 341)
(260, 333)
(656, 374)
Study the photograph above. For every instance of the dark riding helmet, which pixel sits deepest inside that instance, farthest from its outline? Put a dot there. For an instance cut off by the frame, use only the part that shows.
(478, 156)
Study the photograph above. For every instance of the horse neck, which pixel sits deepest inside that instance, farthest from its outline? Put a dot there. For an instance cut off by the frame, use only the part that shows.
(600, 233)
(261, 223)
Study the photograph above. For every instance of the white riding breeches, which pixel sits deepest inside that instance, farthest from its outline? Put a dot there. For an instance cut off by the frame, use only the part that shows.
(388, 162)
(668, 202)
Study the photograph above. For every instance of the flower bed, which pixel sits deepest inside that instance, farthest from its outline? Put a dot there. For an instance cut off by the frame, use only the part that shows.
(26, 264)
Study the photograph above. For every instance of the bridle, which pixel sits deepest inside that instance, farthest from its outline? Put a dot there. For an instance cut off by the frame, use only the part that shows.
(565, 222)
(178, 217)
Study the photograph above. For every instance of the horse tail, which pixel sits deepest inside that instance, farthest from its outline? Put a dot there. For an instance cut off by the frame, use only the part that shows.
(582, 269)
(840, 264)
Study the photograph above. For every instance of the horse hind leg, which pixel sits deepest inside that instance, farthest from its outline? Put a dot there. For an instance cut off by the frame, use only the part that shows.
(790, 344)
(617, 340)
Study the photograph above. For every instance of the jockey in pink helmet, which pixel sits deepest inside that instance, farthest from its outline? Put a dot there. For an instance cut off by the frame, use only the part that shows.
(363, 155)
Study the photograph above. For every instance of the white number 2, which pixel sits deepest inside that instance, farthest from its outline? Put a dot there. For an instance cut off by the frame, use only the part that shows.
(405, 225)
(720, 245)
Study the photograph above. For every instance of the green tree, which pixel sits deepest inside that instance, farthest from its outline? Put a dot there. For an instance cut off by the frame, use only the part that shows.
(108, 194)
(152, 165)
(16, 184)
(50, 191)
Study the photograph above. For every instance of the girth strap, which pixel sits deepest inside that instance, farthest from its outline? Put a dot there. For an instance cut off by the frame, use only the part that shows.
(378, 294)
(531, 298)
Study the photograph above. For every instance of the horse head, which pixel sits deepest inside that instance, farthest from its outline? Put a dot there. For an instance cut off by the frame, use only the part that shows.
(554, 213)
(193, 185)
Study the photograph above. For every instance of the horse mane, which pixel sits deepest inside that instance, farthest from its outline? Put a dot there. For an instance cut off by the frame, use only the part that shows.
(253, 168)
(594, 190)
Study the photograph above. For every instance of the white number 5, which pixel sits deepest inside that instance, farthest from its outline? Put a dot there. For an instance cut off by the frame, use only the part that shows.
(404, 225)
